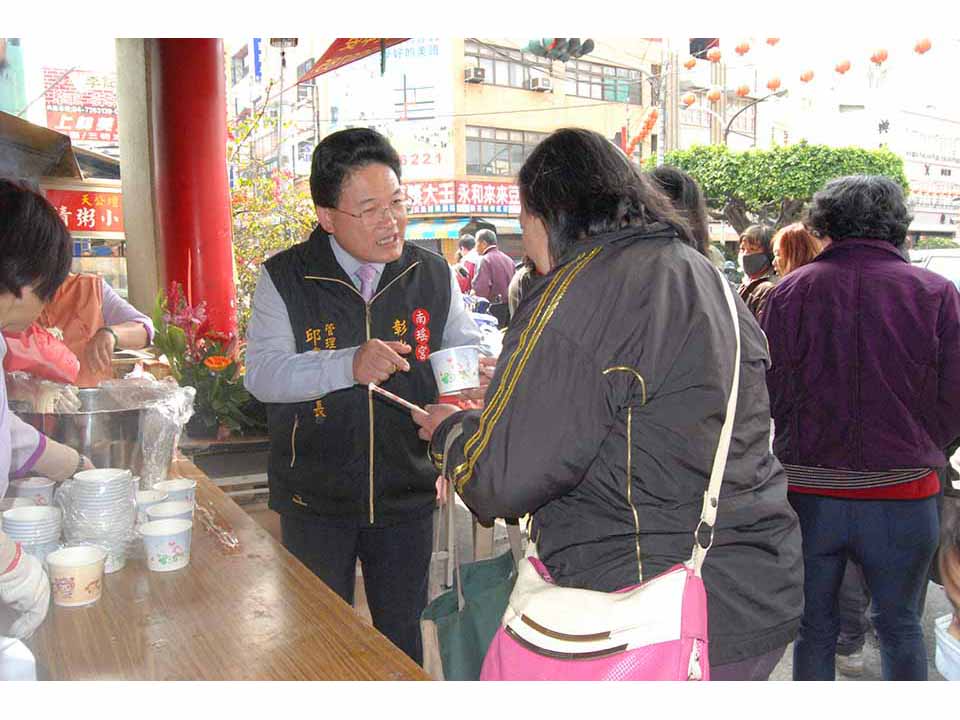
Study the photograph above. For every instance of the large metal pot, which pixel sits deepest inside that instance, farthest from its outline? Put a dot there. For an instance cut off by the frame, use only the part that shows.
(108, 435)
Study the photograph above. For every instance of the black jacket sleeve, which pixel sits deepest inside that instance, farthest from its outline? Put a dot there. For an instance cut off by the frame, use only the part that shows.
(547, 413)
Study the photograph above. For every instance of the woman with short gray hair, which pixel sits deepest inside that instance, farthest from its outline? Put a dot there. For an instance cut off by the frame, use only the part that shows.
(865, 392)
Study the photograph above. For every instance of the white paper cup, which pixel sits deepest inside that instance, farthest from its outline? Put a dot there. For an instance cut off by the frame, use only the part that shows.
(167, 544)
(456, 368)
(39, 489)
(179, 510)
(76, 574)
(179, 489)
(147, 498)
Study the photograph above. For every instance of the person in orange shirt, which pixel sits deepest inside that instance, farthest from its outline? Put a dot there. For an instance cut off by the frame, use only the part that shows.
(95, 321)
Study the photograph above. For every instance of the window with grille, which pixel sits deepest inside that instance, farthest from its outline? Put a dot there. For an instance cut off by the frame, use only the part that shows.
(604, 82)
(305, 89)
(505, 66)
(238, 65)
(497, 151)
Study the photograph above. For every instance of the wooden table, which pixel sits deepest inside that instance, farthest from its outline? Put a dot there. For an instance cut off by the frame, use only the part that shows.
(245, 612)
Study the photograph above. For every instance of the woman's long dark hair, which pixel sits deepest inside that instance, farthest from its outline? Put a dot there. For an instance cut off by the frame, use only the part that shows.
(581, 185)
(688, 198)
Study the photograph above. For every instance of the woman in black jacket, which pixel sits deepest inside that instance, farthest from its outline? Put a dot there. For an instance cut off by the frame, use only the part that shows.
(604, 415)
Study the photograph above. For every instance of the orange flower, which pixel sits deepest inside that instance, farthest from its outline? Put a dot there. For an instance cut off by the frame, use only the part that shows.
(217, 362)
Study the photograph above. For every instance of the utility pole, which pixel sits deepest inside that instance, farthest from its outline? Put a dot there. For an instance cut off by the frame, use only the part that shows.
(662, 102)
(283, 44)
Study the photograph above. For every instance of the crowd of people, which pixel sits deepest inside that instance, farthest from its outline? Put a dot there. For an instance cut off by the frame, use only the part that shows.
(604, 413)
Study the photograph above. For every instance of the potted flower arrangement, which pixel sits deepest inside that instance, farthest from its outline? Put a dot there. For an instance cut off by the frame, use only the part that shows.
(204, 360)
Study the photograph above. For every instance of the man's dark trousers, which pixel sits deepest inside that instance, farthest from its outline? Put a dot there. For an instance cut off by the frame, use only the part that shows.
(395, 560)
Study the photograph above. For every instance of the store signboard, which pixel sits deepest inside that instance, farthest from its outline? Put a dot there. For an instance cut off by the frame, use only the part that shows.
(463, 197)
(411, 103)
(93, 210)
(81, 104)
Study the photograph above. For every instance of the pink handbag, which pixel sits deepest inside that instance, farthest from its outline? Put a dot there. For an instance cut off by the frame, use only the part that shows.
(656, 630)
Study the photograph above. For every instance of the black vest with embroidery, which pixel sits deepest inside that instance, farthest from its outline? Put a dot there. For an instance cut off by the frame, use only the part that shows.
(320, 451)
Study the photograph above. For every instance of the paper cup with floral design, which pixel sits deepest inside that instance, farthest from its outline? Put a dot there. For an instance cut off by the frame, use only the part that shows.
(76, 574)
(38, 489)
(456, 369)
(146, 499)
(179, 489)
(179, 510)
(167, 544)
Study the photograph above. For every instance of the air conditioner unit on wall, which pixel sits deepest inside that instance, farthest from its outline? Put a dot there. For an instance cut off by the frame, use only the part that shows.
(474, 74)
(541, 84)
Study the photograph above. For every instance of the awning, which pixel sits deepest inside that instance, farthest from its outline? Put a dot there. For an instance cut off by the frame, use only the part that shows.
(344, 51)
(435, 228)
(31, 151)
(505, 226)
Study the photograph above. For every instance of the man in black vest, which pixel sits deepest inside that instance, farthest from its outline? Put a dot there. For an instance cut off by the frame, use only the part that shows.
(353, 305)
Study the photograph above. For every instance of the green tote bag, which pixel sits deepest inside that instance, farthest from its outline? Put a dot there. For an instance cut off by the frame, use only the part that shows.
(458, 625)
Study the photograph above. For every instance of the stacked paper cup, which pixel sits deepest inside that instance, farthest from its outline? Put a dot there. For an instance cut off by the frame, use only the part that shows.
(99, 509)
(35, 527)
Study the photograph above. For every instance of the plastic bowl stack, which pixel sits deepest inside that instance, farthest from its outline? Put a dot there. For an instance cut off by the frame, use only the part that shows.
(36, 528)
(100, 509)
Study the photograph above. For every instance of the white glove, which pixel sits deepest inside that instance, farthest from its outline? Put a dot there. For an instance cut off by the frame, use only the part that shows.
(68, 399)
(42, 396)
(24, 591)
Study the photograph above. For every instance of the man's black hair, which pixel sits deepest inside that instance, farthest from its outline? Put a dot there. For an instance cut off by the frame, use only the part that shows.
(341, 153)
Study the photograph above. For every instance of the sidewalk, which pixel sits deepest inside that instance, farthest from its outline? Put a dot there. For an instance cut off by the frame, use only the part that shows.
(936, 606)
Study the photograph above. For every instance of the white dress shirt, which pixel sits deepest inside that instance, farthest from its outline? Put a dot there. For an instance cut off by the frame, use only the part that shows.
(277, 373)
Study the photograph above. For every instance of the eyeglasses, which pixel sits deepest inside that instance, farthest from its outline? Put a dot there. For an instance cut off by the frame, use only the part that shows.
(371, 217)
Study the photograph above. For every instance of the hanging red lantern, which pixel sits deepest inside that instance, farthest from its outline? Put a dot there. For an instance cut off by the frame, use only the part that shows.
(691, 63)
(743, 91)
(688, 99)
(743, 48)
(922, 46)
(714, 95)
(773, 84)
(772, 41)
(843, 67)
(806, 76)
(713, 55)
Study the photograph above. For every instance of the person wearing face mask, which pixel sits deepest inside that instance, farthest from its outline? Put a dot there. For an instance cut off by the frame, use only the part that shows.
(35, 256)
(352, 305)
(756, 263)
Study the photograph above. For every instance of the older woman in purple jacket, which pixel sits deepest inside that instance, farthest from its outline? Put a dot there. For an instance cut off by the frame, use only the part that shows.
(865, 393)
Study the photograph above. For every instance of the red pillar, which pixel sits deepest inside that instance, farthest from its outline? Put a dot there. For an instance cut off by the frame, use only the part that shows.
(189, 115)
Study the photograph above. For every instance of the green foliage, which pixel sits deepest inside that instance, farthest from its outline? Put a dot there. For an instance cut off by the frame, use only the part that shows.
(202, 359)
(774, 185)
(270, 211)
(936, 243)
(220, 390)
(168, 339)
